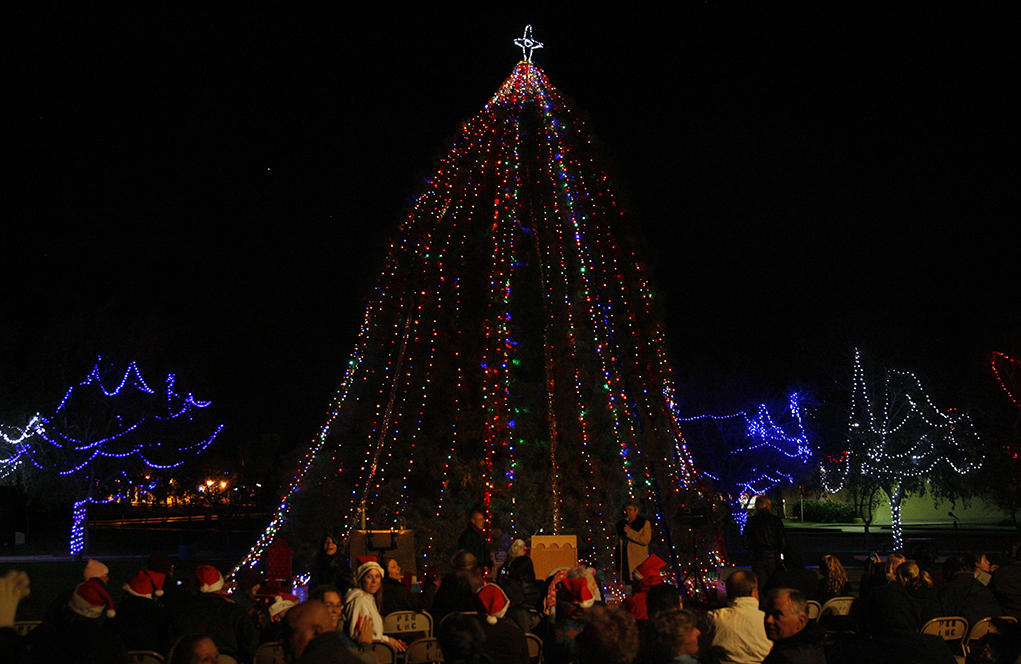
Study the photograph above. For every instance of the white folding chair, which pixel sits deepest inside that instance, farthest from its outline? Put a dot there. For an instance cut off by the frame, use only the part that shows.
(423, 651)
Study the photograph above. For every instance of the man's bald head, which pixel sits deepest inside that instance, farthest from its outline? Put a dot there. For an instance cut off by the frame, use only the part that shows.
(304, 623)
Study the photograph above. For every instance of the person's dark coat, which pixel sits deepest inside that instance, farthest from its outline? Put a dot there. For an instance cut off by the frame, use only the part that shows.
(397, 597)
(474, 542)
(764, 538)
(805, 647)
(525, 592)
(1006, 587)
(142, 624)
(327, 648)
(928, 603)
(73, 639)
(226, 623)
(331, 570)
(455, 594)
(965, 596)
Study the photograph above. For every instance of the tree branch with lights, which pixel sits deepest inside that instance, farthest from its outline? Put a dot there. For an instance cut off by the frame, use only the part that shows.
(107, 444)
(897, 438)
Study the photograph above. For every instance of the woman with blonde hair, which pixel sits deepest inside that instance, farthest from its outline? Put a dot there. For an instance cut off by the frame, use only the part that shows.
(834, 579)
(918, 584)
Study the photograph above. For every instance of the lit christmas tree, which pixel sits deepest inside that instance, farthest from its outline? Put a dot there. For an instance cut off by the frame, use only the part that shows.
(511, 358)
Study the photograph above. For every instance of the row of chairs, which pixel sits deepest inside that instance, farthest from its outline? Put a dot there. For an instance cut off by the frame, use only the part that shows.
(420, 651)
(954, 629)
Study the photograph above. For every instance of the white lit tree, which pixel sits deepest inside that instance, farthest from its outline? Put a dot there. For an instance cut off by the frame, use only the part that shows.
(105, 444)
(898, 439)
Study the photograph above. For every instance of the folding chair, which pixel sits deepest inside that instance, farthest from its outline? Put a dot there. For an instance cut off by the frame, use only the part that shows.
(385, 653)
(271, 652)
(228, 659)
(23, 627)
(401, 623)
(423, 651)
(814, 608)
(835, 615)
(980, 629)
(948, 628)
(534, 648)
(145, 657)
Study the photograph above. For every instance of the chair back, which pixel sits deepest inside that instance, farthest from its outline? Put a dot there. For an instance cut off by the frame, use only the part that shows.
(228, 659)
(458, 613)
(385, 653)
(423, 651)
(836, 606)
(980, 629)
(145, 657)
(534, 648)
(271, 652)
(399, 623)
(814, 608)
(948, 628)
(23, 627)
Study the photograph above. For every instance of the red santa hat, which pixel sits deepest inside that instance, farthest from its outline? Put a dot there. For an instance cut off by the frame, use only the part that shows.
(494, 601)
(649, 573)
(361, 560)
(281, 603)
(210, 579)
(145, 583)
(579, 591)
(366, 567)
(90, 598)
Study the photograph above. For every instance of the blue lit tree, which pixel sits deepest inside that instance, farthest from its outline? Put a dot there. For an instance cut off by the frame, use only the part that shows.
(748, 454)
(106, 444)
(898, 439)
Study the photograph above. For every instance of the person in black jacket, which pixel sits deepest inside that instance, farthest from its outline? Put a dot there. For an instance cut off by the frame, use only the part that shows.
(330, 568)
(764, 538)
(475, 541)
(210, 612)
(526, 593)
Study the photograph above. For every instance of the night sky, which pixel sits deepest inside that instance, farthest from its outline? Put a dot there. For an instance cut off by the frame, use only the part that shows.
(216, 190)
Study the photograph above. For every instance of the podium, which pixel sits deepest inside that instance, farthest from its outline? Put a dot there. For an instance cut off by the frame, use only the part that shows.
(549, 552)
(398, 544)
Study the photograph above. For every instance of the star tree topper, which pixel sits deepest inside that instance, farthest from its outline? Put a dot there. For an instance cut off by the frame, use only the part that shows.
(527, 44)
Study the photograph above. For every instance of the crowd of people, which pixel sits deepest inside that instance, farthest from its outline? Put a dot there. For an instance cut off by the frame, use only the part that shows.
(482, 611)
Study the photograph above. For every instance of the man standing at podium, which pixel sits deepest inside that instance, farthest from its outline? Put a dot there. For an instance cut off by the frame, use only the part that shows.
(474, 541)
(635, 533)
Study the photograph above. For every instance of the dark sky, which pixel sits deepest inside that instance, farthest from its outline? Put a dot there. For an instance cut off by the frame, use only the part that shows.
(225, 181)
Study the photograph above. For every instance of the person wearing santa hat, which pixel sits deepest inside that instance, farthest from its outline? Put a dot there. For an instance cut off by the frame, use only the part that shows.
(360, 602)
(505, 643)
(563, 646)
(211, 612)
(141, 622)
(648, 574)
(77, 633)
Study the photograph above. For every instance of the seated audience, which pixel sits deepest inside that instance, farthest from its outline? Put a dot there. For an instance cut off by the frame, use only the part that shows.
(879, 573)
(212, 613)
(310, 639)
(505, 642)
(964, 595)
(462, 640)
(396, 596)
(671, 638)
(77, 633)
(140, 621)
(786, 622)
(276, 611)
(194, 649)
(562, 646)
(1001, 645)
(524, 591)
(979, 565)
(646, 575)
(1006, 582)
(919, 586)
(737, 634)
(834, 581)
(360, 603)
(664, 597)
(457, 588)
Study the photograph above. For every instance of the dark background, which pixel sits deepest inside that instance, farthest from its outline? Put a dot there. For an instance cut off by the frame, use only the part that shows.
(212, 190)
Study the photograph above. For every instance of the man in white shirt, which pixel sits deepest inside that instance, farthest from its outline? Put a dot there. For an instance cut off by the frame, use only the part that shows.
(737, 633)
